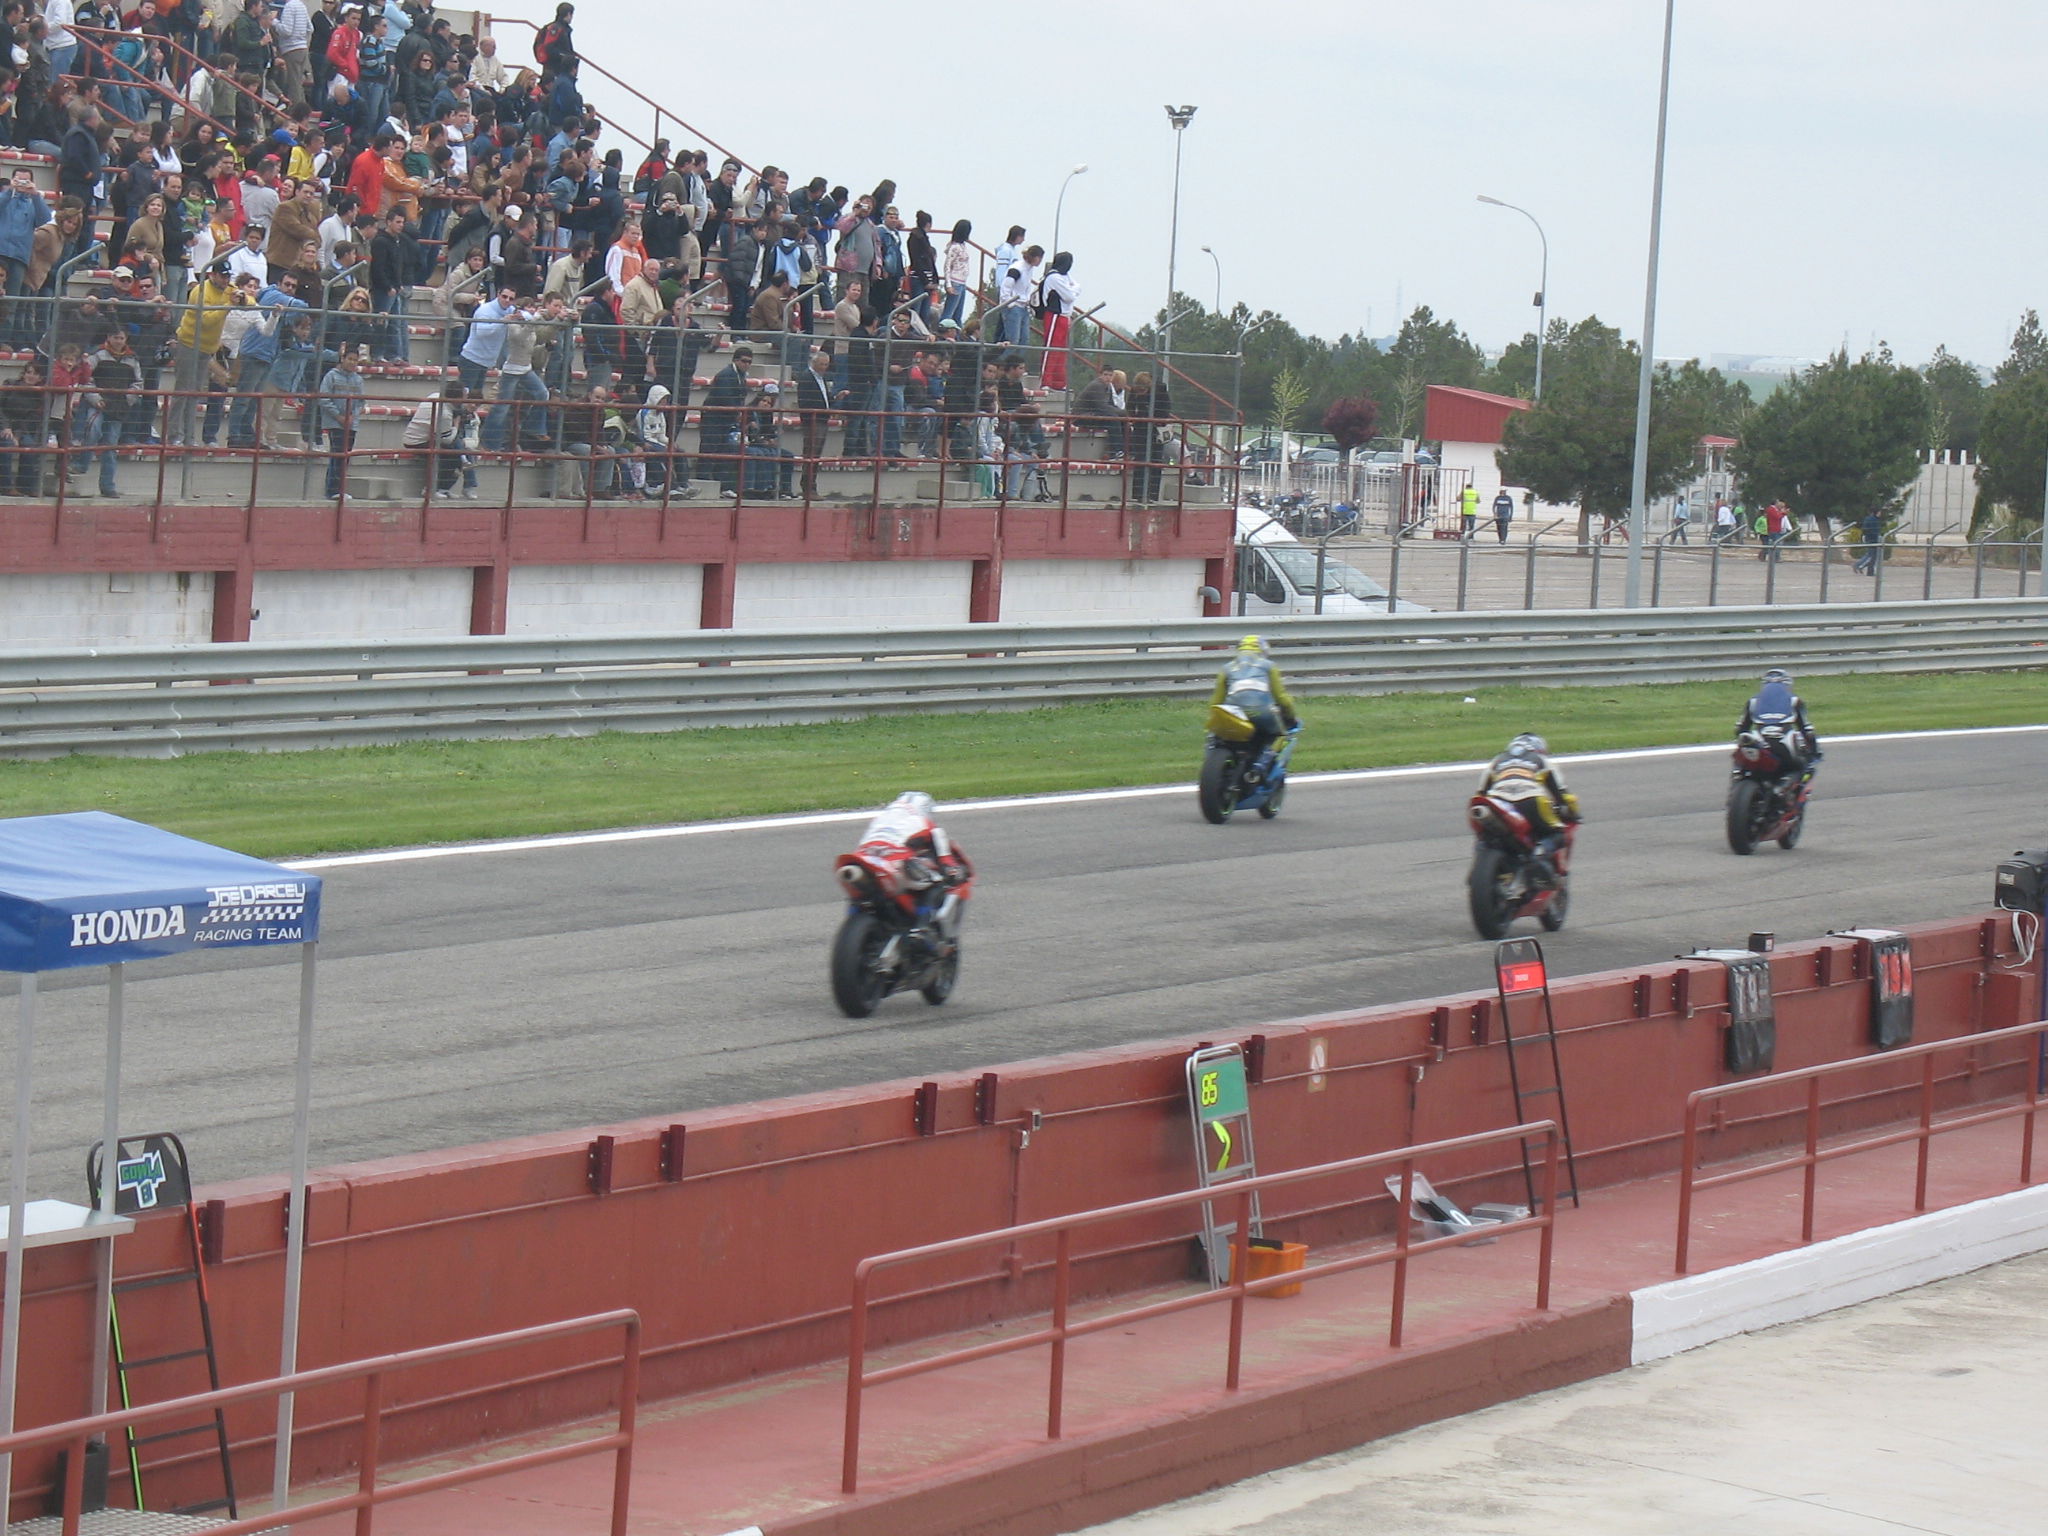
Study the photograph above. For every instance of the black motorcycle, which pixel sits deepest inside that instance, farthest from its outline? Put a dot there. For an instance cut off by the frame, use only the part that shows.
(894, 939)
(1768, 793)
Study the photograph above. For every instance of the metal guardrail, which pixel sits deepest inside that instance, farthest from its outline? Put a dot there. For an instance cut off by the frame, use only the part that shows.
(162, 701)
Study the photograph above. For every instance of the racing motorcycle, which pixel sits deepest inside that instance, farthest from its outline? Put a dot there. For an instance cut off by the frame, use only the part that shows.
(901, 933)
(1767, 798)
(1508, 879)
(1233, 778)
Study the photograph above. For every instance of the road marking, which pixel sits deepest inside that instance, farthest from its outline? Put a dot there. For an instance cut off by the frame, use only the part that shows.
(1068, 797)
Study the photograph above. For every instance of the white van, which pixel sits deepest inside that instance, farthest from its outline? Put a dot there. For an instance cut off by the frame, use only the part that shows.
(1276, 574)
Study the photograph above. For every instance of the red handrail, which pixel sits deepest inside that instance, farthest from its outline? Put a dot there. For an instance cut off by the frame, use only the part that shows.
(184, 103)
(1061, 1228)
(1813, 1154)
(75, 1435)
(583, 62)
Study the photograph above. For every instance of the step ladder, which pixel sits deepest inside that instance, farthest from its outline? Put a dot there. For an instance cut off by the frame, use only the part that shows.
(1519, 971)
(153, 1176)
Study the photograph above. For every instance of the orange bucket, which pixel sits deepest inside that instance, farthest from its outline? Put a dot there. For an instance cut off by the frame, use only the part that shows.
(1270, 1257)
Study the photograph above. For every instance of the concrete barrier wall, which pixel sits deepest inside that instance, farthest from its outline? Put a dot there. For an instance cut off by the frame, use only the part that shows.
(735, 1231)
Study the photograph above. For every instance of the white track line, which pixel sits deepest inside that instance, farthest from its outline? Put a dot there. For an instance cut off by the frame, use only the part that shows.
(1070, 797)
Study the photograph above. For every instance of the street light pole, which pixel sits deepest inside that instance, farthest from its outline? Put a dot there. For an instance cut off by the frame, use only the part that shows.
(1060, 207)
(1542, 283)
(1639, 487)
(1180, 117)
(1218, 260)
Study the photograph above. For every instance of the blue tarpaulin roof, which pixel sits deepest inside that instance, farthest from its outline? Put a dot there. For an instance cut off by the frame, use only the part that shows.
(91, 889)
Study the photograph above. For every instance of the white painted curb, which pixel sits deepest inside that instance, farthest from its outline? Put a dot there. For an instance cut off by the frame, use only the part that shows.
(1805, 1282)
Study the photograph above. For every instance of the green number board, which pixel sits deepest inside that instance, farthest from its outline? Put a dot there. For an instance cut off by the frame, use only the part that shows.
(1219, 1089)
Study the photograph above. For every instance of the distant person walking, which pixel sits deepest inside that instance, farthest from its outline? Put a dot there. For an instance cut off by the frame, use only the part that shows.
(1770, 528)
(1681, 520)
(1871, 527)
(1468, 510)
(1724, 523)
(1503, 512)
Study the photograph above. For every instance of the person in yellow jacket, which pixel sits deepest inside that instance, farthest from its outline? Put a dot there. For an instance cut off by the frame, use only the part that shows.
(1251, 687)
(1468, 511)
(207, 306)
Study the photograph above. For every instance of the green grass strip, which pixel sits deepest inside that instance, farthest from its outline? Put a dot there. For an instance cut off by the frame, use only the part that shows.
(278, 805)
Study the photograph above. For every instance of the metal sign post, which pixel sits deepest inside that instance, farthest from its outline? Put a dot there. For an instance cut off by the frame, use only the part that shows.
(1519, 970)
(1220, 1104)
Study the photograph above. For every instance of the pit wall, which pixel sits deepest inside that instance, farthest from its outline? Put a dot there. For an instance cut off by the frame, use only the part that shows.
(118, 574)
(734, 1231)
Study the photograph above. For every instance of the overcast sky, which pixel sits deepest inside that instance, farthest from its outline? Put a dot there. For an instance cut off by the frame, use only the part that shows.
(1835, 170)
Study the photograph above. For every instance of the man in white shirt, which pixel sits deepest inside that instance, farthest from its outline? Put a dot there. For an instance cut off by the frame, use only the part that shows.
(487, 70)
(58, 37)
(247, 259)
(456, 125)
(1015, 285)
(336, 227)
(293, 30)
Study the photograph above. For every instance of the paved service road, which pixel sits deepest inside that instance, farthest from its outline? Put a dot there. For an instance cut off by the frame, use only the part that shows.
(1914, 1413)
(485, 995)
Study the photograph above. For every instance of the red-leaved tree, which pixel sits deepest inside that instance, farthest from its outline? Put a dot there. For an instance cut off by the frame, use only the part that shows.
(1352, 421)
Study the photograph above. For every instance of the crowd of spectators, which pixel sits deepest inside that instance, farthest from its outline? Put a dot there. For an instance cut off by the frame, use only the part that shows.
(280, 179)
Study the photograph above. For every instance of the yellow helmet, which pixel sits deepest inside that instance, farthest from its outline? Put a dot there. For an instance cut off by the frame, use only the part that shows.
(1251, 643)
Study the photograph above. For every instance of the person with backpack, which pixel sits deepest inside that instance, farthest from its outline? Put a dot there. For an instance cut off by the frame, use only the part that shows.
(554, 46)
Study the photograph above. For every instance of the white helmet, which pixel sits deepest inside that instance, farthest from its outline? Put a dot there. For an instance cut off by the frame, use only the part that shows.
(917, 802)
(1534, 745)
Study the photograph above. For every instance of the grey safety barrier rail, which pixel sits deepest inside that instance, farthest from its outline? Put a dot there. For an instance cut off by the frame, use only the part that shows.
(166, 701)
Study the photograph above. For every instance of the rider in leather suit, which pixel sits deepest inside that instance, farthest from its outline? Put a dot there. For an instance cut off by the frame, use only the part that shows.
(1525, 775)
(1251, 684)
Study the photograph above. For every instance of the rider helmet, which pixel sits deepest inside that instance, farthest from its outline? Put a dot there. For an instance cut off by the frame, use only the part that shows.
(1252, 643)
(917, 802)
(1528, 743)
(1778, 675)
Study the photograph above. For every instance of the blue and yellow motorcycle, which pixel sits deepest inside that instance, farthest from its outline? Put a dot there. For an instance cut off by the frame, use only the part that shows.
(1234, 778)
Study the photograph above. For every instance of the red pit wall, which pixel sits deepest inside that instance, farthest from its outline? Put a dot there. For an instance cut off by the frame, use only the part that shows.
(742, 1265)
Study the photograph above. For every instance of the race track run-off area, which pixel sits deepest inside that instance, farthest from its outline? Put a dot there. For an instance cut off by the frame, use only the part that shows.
(468, 995)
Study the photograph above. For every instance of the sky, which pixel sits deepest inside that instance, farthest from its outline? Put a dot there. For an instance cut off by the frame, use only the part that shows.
(1836, 172)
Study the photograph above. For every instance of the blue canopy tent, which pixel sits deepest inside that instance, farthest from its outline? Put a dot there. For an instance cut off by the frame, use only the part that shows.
(91, 889)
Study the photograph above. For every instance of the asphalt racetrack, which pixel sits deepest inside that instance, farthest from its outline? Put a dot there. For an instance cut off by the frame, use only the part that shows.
(494, 993)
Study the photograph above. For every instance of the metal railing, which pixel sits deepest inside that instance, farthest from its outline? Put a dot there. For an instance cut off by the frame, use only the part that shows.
(1063, 1327)
(369, 1493)
(157, 700)
(1546, 567)
(1812, 1154)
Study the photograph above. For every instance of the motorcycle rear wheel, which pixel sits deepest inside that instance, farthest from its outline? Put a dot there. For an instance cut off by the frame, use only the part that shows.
(1218, 787)
(1745, 807)
(856, 987)
(1489, 907)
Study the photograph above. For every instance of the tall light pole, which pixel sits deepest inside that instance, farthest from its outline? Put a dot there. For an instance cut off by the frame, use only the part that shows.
(1060, 207)
(1542, 282)
(1180, 117)
(1639, 486)
(1218, 260)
